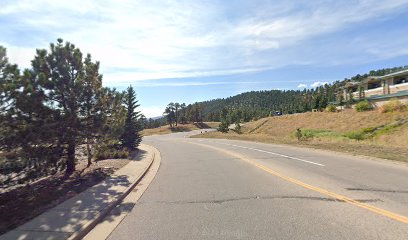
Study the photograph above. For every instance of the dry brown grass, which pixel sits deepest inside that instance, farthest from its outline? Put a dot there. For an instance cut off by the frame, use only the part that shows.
(180, 128)
(391, 145)
(347, 120)
(398, 138)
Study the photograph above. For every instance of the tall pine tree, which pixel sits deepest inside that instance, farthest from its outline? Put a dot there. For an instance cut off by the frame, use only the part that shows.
(69, 86)
(131, 137)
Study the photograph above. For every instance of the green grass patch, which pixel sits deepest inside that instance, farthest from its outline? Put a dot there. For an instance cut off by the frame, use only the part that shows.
(312, 133)
(355, 135)
(360, 134)
(371, 132)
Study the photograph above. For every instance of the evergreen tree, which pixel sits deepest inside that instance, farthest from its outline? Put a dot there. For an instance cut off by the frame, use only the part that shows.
(183, 115)
(223, 127)
(60, 75)
(91, 106)
(131, 137)
(114, 117)
(170, 113)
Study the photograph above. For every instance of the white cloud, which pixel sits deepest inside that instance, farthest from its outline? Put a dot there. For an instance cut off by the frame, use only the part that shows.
(20, 55)
(151, 112)
(302, 85)
(139, 40)
(318, 84)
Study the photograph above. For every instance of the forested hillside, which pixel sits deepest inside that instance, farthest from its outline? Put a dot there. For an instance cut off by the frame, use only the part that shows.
(257, 104)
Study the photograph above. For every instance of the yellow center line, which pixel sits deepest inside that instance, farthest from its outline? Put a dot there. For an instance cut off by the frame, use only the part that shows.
(369, 207)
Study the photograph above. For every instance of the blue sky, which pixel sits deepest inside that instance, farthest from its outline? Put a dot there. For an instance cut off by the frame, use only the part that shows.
(189, 51)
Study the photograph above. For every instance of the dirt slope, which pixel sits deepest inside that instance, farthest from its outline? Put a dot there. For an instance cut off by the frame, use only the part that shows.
(340, 122)
(372, 133)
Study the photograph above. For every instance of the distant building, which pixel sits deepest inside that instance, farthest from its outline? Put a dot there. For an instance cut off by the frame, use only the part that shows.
(378, 89)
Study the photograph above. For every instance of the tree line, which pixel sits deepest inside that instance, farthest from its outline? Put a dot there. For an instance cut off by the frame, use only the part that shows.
(177, 113)
(57, 105)
(253, 105)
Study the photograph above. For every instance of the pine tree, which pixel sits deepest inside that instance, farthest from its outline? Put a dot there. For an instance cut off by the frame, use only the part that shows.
(91, 106)
(170, 113)
(70, 87)
(223, 127)
(131, 137)
(27, 122)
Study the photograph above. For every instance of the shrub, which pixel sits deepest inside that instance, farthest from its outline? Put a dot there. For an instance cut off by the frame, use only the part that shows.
(356, 135)
(223, 127)
(111, 154)
(331, 108)
(298, 134)
(238, 128)
(364, 106)
(393, 106)
(100, 155)
(123, 154)
(308, 133)
(311, 133)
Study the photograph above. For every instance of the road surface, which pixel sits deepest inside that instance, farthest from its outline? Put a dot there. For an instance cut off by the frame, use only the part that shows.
(221, 189)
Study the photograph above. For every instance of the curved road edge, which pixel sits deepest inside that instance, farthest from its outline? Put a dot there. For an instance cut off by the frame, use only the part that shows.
(107, 222)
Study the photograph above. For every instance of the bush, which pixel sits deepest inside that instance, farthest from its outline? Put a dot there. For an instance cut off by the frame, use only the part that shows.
(393, 106)
(304, 134)
(331, 108)
(307, 133)
(298, 134)
(238, 128)
(111, 154)
(223, 127)
(356, 135)
(364, 106)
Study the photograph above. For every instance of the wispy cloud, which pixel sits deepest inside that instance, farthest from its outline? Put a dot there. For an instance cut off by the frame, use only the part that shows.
(186, 84)
(302, 85)
(178, 39)
(318, 84)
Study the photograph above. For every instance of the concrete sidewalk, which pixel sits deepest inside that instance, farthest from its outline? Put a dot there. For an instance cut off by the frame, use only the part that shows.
(75, 217)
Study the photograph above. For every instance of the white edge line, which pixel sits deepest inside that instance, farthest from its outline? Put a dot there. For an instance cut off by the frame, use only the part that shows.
(277, 154)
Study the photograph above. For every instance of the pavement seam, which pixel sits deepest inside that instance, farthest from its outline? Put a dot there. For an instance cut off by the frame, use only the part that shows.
(221, 201)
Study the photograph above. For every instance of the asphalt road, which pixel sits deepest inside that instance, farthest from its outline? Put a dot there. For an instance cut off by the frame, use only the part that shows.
(220, 189)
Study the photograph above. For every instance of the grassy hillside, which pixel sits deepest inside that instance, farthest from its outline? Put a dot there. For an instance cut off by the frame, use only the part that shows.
(383, 135)
(180, 128)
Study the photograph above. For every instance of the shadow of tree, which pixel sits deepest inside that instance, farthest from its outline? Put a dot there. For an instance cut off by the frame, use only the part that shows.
(63, 213)
(73, 214)
(138, 155)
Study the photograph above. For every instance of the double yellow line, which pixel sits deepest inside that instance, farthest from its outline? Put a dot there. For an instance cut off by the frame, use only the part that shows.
(339, 197)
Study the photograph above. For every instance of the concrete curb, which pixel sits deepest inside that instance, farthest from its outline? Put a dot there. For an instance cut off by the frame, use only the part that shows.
(102, 214)
(74, 227)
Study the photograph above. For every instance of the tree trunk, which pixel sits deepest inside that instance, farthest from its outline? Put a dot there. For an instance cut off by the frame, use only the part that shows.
(88, 151)
(176, 118)
(70, 157)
